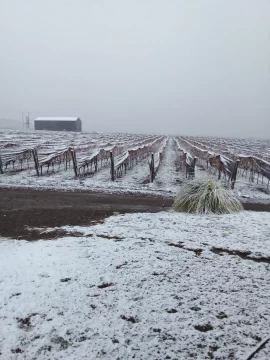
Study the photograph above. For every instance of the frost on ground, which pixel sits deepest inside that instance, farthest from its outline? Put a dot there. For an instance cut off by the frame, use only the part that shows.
(252, 191)
(132, 181)
(142, 286)
(166, 178)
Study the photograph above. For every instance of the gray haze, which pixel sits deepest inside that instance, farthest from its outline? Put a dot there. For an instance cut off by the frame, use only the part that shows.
(164, 66)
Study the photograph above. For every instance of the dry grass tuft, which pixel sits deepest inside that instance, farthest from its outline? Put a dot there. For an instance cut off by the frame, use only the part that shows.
(206, 196)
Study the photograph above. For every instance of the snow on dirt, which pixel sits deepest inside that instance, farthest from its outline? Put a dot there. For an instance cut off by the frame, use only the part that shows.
(167, 175)
(255, 192)
(132, 181)
(139, 286)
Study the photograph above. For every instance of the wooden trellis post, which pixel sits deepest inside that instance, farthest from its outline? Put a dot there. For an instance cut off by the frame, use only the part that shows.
(35, 156)
(193, 165)
(185, 162)
(112, 166)
(74, 160)
(251, 176)
(219, 166)
(152, 168)
(234, 173)
(190, 174)
(1, 166)
(66, 163)
(96, 164)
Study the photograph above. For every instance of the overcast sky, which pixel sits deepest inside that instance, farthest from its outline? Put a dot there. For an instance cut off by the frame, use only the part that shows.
(164, 66)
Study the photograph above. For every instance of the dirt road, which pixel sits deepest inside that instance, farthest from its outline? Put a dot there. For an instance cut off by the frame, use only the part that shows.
(21, 209)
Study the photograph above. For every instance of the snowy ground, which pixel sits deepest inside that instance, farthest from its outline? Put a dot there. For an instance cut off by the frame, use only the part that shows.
(142, 286)
(166, 179)
(255, 192)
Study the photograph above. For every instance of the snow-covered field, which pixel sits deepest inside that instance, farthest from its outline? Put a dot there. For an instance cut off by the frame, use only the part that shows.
(140, 286)
(135, 181)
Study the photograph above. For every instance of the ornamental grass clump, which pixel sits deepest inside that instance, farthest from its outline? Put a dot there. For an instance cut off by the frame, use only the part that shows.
(206, 196)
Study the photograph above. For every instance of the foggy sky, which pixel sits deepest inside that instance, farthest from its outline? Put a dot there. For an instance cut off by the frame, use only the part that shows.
(191, 67)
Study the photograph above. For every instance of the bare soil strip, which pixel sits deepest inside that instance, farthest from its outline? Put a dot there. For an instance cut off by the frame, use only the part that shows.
(242, 254)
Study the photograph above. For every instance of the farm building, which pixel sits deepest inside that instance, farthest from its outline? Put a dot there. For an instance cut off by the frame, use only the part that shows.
(58, 123)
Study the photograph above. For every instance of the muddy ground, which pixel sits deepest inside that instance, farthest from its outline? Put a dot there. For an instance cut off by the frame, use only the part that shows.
(21, 209)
